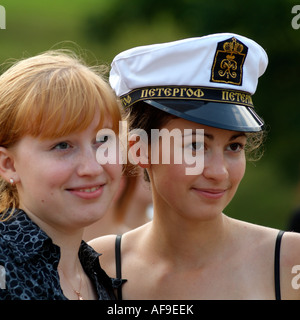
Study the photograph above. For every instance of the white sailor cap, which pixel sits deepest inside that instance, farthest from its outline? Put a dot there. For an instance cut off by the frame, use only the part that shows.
(208, 80)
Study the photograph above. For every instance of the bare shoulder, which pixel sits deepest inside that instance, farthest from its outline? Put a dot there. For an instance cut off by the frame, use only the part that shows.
(290, 266)
(105, 245)
(254, 233)
(291, 248)
(264, 239)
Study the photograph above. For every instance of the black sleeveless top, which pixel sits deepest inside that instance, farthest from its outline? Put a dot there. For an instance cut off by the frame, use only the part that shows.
(118, 281)
(29, 260)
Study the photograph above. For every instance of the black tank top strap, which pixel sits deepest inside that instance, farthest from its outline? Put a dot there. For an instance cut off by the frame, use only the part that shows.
(277, 265)
(118, 281)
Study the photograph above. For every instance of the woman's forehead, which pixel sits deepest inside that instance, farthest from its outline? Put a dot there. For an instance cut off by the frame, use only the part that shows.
(181, 123)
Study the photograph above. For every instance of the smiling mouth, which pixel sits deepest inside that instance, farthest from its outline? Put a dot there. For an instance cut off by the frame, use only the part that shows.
(88, 192)
(87, 189)
(211, 193)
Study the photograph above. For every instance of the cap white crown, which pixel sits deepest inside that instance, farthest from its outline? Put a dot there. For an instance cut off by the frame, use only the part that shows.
(187, 62)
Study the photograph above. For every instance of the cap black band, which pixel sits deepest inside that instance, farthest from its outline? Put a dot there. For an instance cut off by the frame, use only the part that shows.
(188, 93)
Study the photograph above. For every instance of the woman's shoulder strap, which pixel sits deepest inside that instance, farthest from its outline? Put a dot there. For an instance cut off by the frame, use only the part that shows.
(277, 265)
(117, 283)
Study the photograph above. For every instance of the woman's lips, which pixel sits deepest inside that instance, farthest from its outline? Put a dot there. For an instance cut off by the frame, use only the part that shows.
(87, 192)
(210, 193)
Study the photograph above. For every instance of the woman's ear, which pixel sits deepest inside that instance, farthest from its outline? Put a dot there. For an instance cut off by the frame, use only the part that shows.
(7, 168)
(138, 150)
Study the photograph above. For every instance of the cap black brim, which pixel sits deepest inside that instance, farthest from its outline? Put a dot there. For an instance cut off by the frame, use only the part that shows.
(214, 114)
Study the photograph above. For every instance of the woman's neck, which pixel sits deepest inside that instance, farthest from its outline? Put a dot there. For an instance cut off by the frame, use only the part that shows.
(188, 241)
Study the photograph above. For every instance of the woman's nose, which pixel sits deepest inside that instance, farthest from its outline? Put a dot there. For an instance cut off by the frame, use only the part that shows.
(215, 166)
(88, 164)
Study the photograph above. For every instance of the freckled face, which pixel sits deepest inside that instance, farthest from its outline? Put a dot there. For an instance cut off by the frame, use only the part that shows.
(205, 195)
(60, 180)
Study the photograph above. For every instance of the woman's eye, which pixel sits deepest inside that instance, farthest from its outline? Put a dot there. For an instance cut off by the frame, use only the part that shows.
(235, 147)
(102, 139)
(196, 146)
(62, 146)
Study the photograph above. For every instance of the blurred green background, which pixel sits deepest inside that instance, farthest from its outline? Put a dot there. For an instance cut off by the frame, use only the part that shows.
(102, 28)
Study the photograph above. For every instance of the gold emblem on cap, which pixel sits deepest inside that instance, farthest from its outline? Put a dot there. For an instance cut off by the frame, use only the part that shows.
(127, 99)
(228, 62)
(229, 65)
(233, 47)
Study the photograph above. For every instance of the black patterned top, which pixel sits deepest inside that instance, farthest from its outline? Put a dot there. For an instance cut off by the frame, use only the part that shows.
(29, 260)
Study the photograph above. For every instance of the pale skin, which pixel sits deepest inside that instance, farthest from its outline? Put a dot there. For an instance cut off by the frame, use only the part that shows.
(191, 249)
(63, 190)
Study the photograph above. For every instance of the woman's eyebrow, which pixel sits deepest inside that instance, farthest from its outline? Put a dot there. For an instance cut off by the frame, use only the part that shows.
(209, 136)
(235, 136)
(241, 134)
